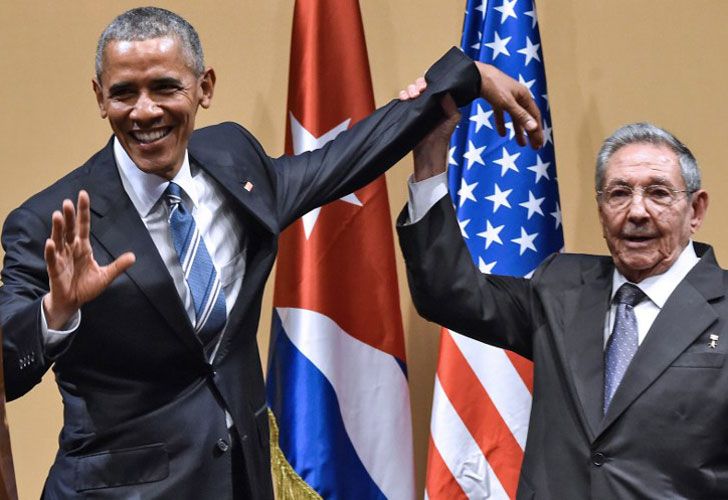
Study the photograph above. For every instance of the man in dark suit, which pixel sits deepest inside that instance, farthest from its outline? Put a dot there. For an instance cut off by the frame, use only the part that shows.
(146, 297)
(629, 350)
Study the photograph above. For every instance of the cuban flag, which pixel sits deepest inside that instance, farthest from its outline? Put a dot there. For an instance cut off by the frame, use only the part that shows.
(507, 203)
(337, 382)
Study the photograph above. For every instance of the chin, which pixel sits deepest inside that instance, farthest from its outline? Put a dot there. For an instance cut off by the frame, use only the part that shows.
(152, 167)
(636, 263)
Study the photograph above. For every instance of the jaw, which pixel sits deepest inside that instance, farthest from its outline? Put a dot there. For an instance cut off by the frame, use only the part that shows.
(637, 260)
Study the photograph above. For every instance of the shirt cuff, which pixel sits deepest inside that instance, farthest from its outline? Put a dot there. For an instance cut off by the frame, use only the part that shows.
(423, 195)
(53, 338)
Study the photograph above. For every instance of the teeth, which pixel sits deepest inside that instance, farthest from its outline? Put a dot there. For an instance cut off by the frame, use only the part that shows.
(150, 136)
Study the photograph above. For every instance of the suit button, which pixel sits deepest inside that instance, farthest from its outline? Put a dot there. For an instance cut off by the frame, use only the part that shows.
(222, 445)
(598, 459)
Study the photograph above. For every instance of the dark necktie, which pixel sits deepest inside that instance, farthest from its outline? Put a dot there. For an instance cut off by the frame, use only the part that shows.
(203, 282)
(623, 342)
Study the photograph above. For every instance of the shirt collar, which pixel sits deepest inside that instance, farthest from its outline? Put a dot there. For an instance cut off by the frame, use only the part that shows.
(145, 189)
(658, 288)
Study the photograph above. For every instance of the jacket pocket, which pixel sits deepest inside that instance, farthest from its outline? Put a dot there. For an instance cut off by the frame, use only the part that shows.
(700, 360)
(142, 464)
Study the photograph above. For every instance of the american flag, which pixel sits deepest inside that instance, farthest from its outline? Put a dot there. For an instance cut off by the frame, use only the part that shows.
(507, 203)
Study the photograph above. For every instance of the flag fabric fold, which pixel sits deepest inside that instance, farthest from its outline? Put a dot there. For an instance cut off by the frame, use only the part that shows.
(507, 204)
(337, 382)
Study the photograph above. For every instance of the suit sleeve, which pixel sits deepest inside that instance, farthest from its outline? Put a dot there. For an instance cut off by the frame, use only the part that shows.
(25, 282)
(364, 152)
(448, 289)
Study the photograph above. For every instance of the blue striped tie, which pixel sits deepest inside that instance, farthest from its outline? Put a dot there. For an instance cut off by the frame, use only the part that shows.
(203, 282)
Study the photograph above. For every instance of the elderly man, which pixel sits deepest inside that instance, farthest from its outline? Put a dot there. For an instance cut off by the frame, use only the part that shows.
(146, 297)
(629, 350)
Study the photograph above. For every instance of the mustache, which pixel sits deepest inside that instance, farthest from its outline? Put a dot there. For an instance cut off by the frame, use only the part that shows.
(632, 231)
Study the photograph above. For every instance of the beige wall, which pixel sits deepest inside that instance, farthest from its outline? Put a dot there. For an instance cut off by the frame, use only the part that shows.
(607, 63)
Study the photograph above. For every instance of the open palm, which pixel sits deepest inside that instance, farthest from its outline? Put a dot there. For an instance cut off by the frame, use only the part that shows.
(74, 276)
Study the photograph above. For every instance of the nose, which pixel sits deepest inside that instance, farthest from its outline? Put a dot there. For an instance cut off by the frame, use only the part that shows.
(637, 206)
(145, 109)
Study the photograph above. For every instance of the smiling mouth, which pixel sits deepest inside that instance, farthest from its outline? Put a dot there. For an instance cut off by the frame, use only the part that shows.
(147, 137)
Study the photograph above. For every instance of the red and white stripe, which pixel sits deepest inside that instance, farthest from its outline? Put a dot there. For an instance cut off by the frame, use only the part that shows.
(481, 406)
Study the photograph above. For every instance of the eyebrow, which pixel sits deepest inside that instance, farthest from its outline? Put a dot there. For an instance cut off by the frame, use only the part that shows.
(122, 87)
(167, 81)
(659, 180)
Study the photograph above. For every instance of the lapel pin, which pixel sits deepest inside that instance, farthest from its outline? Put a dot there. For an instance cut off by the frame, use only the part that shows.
(713, 341)
(248, 186)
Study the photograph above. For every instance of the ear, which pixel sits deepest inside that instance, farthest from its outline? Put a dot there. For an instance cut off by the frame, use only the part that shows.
(602, 219)
(207, 87)
(99, 91)
(699, 205)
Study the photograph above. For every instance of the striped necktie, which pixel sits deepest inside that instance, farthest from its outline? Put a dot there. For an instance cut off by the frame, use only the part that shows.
(623, 342)
(200, 274)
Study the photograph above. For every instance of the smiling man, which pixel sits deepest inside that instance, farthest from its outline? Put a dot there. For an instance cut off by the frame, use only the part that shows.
(630, 379)
(146, 294)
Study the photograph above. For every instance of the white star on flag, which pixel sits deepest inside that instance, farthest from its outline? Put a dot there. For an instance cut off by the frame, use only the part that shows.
(303, 141)
(451, 156)
(476, 45)
(525, 241)
(466, 191)
(557, 215)
(491, 234)
(540, 168)
(473, 154)
(547, 137)
(481, 118)
(485, 267)
(533, 205)
(463, 224)
(530, 51)
(482, 7)
(507, 162)
(499, 198)
(499, 45)
(507, 9)
(533, 16)
(528, 84)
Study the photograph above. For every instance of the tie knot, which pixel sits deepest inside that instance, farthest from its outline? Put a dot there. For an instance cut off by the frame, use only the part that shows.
(629, 294)
(173, 194)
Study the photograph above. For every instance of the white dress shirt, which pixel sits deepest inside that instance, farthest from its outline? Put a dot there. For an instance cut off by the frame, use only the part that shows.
(425, 194)
(214, 218)
(657, 288)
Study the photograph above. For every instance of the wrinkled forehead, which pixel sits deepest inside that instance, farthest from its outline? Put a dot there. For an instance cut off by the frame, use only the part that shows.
(643, 164)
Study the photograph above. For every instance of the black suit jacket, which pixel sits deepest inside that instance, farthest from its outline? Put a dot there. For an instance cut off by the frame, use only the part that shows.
(143, 410)
(665, 434)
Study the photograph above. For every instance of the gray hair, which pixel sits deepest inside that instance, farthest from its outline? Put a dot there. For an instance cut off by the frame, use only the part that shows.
(647, 133)
(144, 23)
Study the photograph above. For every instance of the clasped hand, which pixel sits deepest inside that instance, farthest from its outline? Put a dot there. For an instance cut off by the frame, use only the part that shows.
(504, 94)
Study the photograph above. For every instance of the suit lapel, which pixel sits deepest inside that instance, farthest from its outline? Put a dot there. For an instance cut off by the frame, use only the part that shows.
(685, 316)
(245, 185)
(251, 202)
(117, 227)
(585, 308)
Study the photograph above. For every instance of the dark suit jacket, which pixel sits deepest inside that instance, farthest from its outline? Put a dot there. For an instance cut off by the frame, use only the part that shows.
(143, 410)
(665, 434)
(8, 490)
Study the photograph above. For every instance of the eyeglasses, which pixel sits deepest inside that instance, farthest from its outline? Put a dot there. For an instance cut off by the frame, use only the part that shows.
(658, 196)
